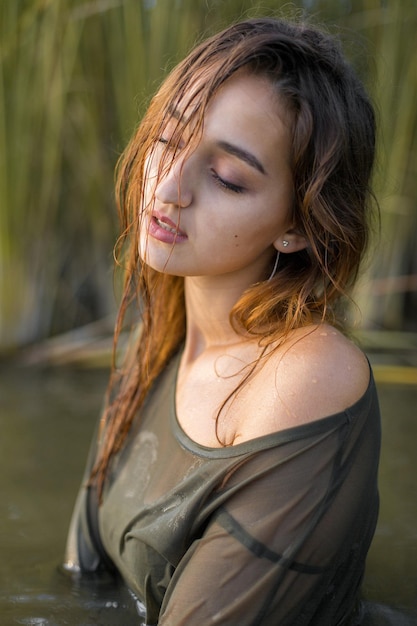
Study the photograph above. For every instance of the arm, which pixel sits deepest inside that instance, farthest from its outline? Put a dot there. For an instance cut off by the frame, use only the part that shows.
(83, 550)
(232, 579)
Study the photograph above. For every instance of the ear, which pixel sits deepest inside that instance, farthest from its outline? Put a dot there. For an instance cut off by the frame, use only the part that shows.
(290, 241)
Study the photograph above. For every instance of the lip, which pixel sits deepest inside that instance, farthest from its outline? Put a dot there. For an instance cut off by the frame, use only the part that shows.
(164, 229)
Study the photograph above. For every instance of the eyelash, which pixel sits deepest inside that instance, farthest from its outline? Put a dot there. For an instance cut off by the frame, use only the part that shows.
(224, 184)
(165, 142)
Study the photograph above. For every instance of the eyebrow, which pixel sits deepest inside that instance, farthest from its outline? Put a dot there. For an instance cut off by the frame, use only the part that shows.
(242, 154)
(174, 112)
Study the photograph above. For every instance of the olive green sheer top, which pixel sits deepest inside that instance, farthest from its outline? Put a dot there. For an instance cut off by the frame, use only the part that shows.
(270, 532)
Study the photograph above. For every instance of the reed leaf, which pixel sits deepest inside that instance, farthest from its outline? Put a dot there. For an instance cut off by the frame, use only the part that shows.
(75, 77)
(385, 290)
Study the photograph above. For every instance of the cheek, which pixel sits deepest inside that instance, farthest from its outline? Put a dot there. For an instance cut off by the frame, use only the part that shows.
(259, 220)
(256, 233)
(150, 175)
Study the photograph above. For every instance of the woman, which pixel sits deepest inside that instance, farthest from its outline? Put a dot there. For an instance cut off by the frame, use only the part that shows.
(234, 479)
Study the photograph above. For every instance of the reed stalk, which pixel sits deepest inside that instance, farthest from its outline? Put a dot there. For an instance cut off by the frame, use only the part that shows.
(390, 282)
(37, 56)
(75, 77)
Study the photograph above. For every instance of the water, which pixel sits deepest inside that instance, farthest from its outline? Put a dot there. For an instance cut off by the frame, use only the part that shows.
(47, 417)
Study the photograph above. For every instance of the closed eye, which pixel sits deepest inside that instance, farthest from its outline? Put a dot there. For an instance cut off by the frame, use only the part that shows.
(165, 142)
(170, 145)
(224, 184)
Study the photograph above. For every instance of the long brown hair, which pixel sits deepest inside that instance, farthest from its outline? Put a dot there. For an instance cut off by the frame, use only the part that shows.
(332, 158)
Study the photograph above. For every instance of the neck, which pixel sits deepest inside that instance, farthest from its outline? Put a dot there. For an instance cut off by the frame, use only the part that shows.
(208, 303)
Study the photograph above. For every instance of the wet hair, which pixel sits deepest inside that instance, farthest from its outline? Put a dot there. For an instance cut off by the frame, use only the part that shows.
(333, 144)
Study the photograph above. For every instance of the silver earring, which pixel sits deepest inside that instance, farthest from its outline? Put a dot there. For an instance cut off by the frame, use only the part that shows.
(275, 267)
(285, 243)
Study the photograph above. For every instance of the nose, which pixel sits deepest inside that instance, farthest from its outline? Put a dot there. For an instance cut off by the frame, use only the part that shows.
(174, 185)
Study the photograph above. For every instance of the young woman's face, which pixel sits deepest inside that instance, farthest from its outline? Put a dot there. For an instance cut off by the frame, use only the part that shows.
(221, 207)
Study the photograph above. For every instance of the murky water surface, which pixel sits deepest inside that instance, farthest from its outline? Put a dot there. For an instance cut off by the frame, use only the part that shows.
(47, 418)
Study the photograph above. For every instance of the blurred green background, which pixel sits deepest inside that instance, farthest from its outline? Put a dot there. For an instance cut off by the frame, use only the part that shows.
(75, 76)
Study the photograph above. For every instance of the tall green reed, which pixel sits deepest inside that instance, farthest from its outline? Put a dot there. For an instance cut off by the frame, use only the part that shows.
(38, 52)
(388, 293)
(75, 76)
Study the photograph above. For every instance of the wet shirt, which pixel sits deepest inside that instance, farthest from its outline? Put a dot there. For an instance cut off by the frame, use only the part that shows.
(270, 532)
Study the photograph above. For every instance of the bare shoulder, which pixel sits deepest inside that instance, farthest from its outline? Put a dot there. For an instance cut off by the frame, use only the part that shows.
(319, 372)
(327, 352)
